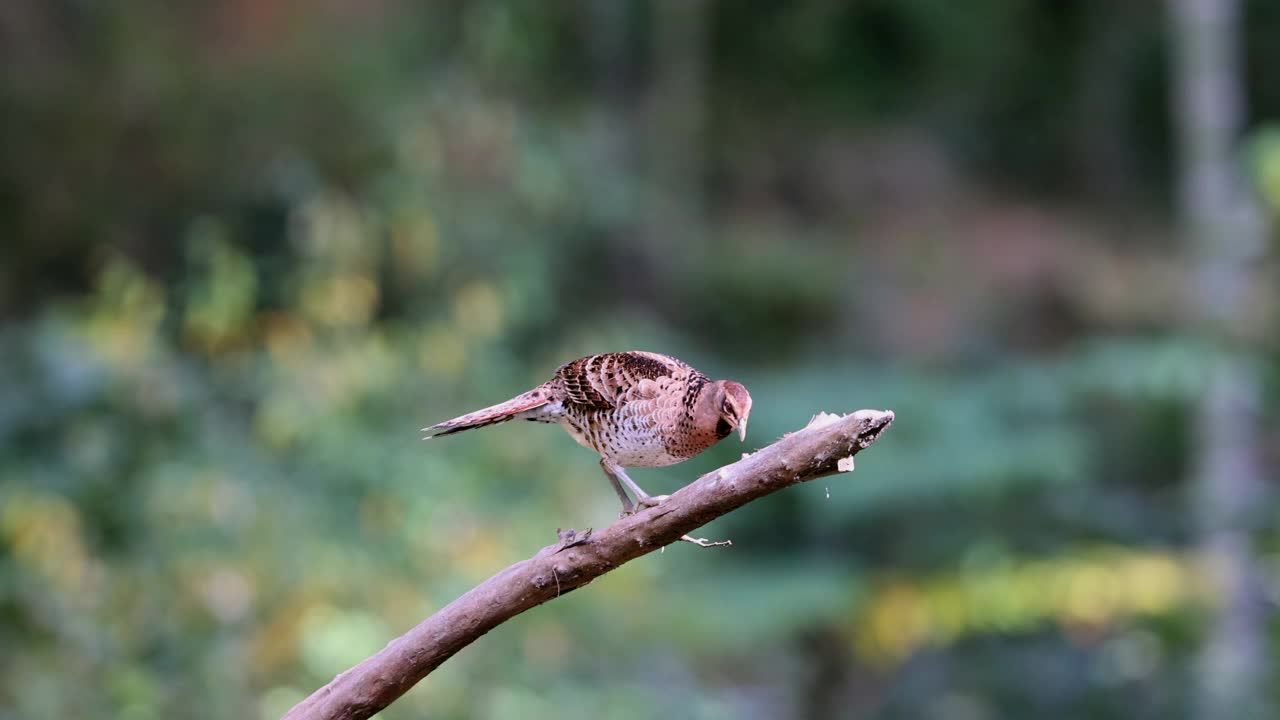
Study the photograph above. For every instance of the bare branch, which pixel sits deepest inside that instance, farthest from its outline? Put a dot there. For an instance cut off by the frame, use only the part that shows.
(822, 448)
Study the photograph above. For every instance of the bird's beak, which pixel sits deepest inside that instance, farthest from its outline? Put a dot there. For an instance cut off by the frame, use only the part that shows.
(742, 430)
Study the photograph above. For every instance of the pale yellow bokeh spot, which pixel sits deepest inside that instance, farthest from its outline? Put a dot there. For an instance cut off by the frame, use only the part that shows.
(340, 300)
(330, 226)
(1157, 583)
(277, 701)
(442, 353)
(43, 532)
(477, 310)
(331, 640)
(1267, 166)
(125, 315)
(222, 299)
(900, 623)
(949, 608)
(415, 244)
(1090, 595)
(288, 338)
(1091, 588)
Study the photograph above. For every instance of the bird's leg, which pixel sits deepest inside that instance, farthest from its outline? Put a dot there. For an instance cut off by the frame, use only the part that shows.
(616, 473)
(628, 507)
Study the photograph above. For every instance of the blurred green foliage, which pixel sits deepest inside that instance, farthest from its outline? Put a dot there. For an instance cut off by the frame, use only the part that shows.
(250, 247)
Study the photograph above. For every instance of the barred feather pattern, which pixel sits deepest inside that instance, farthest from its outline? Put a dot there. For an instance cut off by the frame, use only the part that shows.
(637, 409)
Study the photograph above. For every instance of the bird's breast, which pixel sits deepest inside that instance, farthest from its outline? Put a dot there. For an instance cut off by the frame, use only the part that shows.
(640, 456)
(649, 427)
(628, 439)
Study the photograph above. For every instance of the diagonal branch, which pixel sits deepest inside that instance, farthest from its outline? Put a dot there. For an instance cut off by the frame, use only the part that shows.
(824, 447)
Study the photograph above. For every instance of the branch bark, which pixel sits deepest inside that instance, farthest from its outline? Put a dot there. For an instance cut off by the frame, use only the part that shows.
(824, 447)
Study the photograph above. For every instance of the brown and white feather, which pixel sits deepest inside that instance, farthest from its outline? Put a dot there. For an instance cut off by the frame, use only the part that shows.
(636, 409)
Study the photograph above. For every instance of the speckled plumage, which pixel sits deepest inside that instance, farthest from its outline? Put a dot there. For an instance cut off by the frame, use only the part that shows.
(636, 409)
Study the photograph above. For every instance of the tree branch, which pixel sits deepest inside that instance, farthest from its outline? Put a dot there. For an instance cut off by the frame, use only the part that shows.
(824, 447)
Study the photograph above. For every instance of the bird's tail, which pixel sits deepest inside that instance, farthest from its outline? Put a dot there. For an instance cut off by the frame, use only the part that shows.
(493, 415)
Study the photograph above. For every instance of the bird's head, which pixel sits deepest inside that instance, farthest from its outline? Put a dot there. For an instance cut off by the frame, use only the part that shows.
(731, 404)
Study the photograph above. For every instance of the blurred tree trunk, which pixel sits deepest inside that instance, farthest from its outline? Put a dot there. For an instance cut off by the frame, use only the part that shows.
(1225, 237)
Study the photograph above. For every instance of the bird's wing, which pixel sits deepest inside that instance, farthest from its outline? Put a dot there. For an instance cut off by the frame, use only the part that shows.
(605, 381)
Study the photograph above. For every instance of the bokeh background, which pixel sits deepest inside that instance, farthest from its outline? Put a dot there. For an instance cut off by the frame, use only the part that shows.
(249, 247)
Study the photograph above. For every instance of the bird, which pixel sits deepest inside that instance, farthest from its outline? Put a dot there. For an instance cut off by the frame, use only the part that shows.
(635, 409)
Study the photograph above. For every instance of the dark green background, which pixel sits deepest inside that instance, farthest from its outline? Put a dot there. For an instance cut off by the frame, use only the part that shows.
(250, 247)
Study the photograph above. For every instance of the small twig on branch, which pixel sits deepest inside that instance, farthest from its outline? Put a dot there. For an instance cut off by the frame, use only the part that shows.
(703, 542)
(824, 447)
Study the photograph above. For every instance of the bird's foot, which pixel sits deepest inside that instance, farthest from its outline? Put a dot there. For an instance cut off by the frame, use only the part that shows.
(643, 503)
(648, 501)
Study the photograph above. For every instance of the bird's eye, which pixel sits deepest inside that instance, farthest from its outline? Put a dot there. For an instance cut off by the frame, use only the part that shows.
(722, 428)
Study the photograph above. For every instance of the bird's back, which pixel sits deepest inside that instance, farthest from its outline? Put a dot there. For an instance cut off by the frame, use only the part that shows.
(634, 408)
(637, 409)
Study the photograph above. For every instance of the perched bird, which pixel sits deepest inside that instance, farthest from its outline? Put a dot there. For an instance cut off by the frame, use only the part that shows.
(637, 409)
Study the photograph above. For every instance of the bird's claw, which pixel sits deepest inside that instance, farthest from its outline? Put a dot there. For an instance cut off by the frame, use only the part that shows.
(649, 501)
(643, 503)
